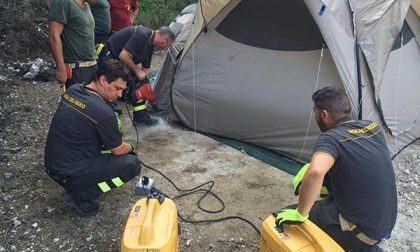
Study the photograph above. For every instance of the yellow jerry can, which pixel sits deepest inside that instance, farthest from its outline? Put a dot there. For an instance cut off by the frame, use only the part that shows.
(152, 226)
(305, 237)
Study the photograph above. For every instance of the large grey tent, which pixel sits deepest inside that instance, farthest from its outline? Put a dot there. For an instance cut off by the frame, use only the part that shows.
(247, 69)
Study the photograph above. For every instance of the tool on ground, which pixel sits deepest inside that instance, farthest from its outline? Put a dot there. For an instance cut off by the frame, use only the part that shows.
(153, 222)
(305, 237)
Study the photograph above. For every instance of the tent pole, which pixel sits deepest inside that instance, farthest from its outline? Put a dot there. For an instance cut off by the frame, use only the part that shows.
(359, 80)
(359, 77)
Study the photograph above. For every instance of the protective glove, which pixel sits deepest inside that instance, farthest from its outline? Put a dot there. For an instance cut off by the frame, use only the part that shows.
(297, 181)
(289, 216)
(145, 92)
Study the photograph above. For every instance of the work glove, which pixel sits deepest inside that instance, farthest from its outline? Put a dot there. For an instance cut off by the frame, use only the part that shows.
(145, 92)
(289, 216)
(297, 181)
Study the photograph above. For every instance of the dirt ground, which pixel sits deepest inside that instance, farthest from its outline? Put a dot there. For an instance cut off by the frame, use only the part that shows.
(33, 218)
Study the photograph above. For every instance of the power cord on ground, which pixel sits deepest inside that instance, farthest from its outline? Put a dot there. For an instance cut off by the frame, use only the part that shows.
(207, 192)
(192, 191)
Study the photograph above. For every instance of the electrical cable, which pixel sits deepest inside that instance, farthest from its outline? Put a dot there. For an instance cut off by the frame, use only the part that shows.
(191, 191)
(207, 192)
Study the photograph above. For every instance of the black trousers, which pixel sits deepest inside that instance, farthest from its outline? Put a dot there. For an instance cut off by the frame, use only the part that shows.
(81, 75)
(324, 214)
(107, 173)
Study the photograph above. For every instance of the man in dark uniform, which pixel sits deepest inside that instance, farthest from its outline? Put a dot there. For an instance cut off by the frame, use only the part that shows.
(82, 126)
(361, 209)
(132, 46)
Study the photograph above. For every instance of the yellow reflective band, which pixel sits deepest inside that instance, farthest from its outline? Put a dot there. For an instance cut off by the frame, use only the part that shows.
(139, 107)
(99, 48)
(105, 152)
(117, 182)
(104, 187)
(120, 124)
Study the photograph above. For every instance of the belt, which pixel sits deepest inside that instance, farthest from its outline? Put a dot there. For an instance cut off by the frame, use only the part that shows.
(348, 226)
(81, 64)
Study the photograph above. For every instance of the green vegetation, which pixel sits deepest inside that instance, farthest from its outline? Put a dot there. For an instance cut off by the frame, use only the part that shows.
(156, 13)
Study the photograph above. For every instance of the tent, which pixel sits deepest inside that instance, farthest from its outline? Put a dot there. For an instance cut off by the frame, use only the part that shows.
(246, 69)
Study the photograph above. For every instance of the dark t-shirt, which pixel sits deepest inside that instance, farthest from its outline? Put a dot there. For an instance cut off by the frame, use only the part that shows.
(136, 40)
(82, 125)
(362, 178)
(100, 12)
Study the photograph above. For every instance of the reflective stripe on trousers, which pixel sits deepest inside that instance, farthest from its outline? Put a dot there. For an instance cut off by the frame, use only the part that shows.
(106, 188)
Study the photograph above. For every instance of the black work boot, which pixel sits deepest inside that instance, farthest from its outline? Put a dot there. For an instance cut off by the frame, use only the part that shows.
(84, 209)
(142, 118)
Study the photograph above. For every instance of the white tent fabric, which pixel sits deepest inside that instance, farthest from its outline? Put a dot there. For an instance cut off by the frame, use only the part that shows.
(340, 42)
(229, 83)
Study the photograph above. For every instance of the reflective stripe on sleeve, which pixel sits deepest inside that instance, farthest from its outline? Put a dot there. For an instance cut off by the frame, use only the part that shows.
(139, 107)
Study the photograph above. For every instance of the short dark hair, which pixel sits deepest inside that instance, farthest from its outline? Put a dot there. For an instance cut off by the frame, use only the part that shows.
(166, 32)
(332, 99)
(113, 70)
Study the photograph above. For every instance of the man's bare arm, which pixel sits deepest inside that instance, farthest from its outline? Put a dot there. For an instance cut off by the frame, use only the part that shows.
(321, 163)
(56, 47)
(126, 58)
(123, 149)
(146, 71)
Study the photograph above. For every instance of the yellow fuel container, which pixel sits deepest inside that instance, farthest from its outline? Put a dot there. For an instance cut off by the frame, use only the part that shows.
(151, 226)
(305, 237)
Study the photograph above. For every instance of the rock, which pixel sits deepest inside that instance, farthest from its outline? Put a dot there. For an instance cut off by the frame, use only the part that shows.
(13, 150)
(7, 197)
(16, 222)
(8, 175)
(188, 243)
(29, 76)
(35, 225)
(39, 61)
(13, 248)
(56, 239)
(26, 207)
(50, 209)
(89, 238)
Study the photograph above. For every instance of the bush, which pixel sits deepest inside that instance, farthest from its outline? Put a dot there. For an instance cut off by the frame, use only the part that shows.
(157, 13)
